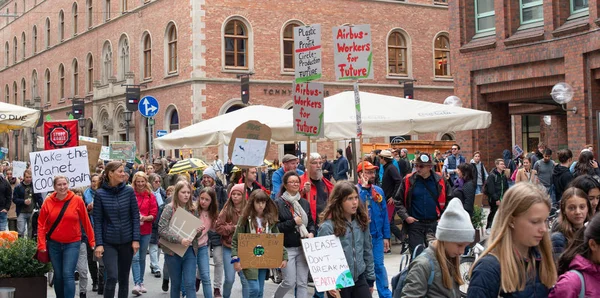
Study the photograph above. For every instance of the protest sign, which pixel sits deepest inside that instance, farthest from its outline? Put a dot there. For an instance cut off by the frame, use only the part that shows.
(307, 51)
(70, 162)
(3, 152)
(18, 168)
(105, 153)
(327, 263)
(308, 109)
(122, 150)
(352, 56)
(260, 251)
(183, 224)
(93, 153)
(60, 134)
(88, 139)
(249, 143)
(517, 150)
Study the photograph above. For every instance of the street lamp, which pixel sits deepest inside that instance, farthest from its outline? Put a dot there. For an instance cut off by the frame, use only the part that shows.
(454, 101)
(81, 122)
(562, 93)
(127, 115)
(16, 135)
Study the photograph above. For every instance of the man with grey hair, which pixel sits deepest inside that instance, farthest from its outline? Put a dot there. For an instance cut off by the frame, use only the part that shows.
(316, 189)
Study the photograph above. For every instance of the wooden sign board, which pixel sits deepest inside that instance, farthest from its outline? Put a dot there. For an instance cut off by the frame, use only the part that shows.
(93, 153)
(261, 251)
(249, 144)
(184, 224)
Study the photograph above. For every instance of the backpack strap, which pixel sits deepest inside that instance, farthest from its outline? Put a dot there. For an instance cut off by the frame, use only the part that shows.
(582, 291)
(432, 273)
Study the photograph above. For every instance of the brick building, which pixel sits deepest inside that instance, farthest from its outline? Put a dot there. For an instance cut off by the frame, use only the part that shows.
(509, 55)
(190, 53)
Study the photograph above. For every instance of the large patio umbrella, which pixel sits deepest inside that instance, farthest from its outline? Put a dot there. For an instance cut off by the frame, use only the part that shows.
(188, 164)
(14, 117)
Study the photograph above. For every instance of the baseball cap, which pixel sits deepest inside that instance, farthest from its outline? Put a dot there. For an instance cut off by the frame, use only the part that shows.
(366, 165)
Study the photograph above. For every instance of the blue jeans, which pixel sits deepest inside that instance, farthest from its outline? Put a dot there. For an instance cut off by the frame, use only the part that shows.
(3, 220)
(204, 267)
(230, 275)
(138, 265)
(478, 189)
(255, 286)
(64, 261)
(185, 266)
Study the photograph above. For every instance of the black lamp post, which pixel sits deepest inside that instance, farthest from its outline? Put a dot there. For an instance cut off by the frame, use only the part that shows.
(127, 115)
(16, 135)
(81, 122)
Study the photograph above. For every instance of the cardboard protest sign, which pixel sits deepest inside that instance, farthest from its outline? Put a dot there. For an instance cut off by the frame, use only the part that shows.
(105, 153)
(260, 251)
(308, 109)
(18, 168)
(307, 53)
(327, 263)
(60, 134)
(93, 153)
(249, 143)
(70, 162)
(352, 56)
(122, 150)
(184, 224)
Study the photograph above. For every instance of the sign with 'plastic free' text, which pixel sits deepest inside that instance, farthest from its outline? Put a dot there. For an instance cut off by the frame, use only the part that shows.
(307, 51)
(69, 162)
(352, 52)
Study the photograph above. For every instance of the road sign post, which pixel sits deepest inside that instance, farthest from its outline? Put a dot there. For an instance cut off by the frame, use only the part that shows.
(148, 107)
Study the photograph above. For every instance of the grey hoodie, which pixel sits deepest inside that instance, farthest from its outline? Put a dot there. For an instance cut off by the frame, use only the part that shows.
(418, 273)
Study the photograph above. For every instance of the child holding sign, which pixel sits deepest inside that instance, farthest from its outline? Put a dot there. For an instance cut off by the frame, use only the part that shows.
(259, 216)
(346, 218)
(207, 212)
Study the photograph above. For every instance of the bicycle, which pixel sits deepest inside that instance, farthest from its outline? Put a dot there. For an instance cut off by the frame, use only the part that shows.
(466, 262)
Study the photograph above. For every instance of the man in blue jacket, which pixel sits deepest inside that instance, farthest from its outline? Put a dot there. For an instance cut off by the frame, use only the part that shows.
(289, 163)
(451, 163)
(341, 172)
(373, 196)
(26, 201)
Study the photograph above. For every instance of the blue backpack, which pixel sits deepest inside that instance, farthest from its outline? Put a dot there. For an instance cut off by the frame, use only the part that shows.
(582, 291)
(399, 280)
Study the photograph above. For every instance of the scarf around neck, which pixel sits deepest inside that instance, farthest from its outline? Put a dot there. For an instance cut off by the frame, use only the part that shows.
(298, 211)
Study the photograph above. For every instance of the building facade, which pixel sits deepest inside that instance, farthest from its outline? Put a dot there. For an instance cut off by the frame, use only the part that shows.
(510, 54)
(189, 56)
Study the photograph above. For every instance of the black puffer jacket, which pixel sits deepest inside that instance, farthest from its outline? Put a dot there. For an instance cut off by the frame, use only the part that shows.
(466, 194)
(287, 225)
(116, 215)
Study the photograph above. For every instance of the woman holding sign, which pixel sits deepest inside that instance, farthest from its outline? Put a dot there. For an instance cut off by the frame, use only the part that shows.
(259, 216)
(116, 227)
(295, 223)
(181, 269)
(347, 218)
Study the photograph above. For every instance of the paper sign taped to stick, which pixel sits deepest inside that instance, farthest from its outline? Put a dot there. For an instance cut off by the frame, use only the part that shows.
(249, 143)
(327, 263)
(105, 153)
(352, 52)
(308, 109)
(260, 251)
(70, 162)
(122, 150)
(93, 153)
(183, 224)
(307, 51)
(18, 168)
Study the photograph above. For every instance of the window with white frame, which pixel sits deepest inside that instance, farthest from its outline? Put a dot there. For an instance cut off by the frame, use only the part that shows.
(532, 11)
(172, 48)
(147, 56)
(288, 47)
(89, 82)
(75, 84)
(23, 45)
(106, 62)
(47, 33)
(579, 6)
(61, 82)
(34, 39)
(61, 26)
(442, 56)
(75, 18)
(397, 54)
(47, 89)
(485, 16)
(236, 44)
(123, 63)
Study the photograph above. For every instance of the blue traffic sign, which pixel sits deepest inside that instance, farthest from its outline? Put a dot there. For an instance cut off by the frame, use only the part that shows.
(160, 133)
(148, 106)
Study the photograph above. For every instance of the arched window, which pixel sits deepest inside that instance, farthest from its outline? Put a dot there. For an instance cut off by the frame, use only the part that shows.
(61, 26)
(90, 14)
(61, 82)
(123, 63)
(24, 7)
(147, 56)
(6, 94)
(123, 5)
(23, 90)
(174, 123)
(6, 54)
(106, 10)
(106, 62)
(172, 45)
(34, 85)
(75, 15)
(75, 77)
(24, 45)
(89, 86)
(397, 54)
(15, 93)
(236, 44)
(47, 91)
(442, 56)
(47, 33)
(15, 47)
(288, 47)
(34, 39)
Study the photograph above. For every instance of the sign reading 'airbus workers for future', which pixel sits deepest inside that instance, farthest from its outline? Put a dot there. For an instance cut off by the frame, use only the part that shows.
(353, 56)
(308, 109)
(307, 45)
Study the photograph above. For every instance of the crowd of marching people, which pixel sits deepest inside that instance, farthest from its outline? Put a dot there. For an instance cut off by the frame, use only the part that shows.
(542, 233)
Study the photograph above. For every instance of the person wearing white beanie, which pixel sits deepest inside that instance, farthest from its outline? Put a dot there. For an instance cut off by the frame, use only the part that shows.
(453, 234)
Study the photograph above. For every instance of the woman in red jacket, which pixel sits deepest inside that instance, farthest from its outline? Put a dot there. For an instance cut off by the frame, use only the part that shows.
(64, 241)
(148, 212)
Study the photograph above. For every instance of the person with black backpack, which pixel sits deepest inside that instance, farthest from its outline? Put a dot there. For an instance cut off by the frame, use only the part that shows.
(435, 272)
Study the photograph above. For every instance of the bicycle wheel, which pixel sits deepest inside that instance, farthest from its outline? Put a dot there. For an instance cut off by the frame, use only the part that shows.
(465, 267)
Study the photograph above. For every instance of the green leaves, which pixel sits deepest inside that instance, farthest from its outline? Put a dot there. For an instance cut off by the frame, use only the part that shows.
(477, 218)
(16, 260)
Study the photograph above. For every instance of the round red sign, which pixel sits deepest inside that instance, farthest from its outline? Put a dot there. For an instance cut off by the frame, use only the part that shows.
(59, 136)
